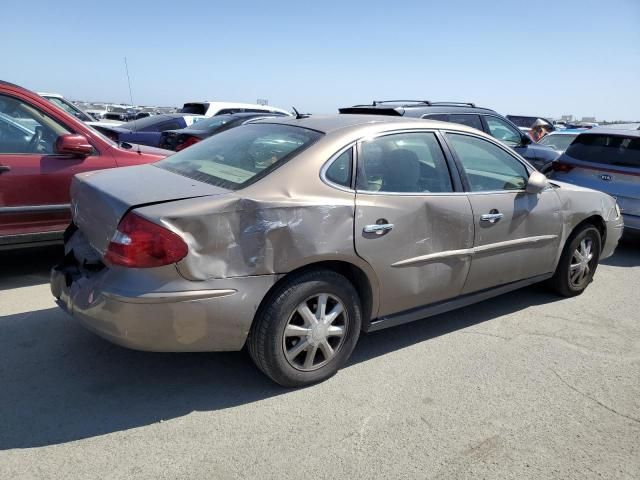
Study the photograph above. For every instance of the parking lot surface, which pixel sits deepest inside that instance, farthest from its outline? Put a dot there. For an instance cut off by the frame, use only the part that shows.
(526, 385)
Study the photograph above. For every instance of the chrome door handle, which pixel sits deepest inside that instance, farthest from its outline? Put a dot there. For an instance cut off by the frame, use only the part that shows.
(378, 228)
(491, 217)
(4, 168)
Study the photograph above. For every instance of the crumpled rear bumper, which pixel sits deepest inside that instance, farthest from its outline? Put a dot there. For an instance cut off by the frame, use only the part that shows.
(215, 319)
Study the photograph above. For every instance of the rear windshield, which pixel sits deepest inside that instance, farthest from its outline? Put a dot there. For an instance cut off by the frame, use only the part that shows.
(212, 123)
(606, 149)
(558, 142)
(194, 108)
(238, 157)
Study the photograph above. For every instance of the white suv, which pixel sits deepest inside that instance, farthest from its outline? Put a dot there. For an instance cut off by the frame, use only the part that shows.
(210, 109)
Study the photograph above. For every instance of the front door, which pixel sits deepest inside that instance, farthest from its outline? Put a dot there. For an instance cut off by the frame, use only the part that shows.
(516, 233)
(410, 225)
(34, 180)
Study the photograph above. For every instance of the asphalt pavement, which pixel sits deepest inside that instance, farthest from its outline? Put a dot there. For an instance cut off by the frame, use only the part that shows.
(526, 385)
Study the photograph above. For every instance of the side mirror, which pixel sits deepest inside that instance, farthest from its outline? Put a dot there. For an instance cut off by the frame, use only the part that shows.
(537, 183)
(73, 144)
(525, 139)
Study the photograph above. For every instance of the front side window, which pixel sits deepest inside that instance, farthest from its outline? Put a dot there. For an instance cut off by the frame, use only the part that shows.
(240, 156)
(504, 132)
(25, 130)
(69, 108)
(403, 163)
(487, 166)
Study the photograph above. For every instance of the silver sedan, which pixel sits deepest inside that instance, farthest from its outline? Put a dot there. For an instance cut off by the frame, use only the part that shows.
(294, 235)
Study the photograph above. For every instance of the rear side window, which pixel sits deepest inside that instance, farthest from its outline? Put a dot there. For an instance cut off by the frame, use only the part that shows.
(606, 149)
(443, 117)
(472, 121)
(403, 163)
(340, 170)
(240, 156)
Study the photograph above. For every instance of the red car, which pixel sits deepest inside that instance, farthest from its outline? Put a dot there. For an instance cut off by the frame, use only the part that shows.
(41, 149)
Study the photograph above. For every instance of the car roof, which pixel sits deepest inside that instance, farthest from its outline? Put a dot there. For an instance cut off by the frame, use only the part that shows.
(331, 123)
(401, 107)
(612, 131)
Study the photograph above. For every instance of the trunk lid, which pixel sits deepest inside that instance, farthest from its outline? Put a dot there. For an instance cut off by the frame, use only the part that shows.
(100, 199)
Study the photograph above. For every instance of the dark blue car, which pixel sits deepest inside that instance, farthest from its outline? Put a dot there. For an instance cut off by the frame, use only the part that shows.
(147, 131)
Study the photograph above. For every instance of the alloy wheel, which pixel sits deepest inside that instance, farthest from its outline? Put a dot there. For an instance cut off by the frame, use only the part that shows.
(315, 332)
(581, 264)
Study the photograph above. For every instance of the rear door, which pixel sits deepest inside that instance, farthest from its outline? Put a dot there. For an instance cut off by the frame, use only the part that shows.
(413, 224)
(517, 234)
(34, 180)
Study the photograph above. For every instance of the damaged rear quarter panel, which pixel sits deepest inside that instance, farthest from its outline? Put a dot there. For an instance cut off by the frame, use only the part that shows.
(284, 221)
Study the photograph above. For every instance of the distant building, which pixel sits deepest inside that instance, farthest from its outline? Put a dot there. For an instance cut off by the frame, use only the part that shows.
(588, 119)
(567, 118)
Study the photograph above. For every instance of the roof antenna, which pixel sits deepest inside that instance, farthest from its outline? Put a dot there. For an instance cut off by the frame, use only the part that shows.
(300, 115)
(135, 130)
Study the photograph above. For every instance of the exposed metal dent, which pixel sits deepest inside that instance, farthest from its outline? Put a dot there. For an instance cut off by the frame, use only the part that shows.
(440, 256)
(169, 297)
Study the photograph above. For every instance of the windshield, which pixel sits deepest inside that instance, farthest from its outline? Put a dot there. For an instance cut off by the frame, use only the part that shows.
(606, 149)
(242, 155)
(558, 142)
(70, 108)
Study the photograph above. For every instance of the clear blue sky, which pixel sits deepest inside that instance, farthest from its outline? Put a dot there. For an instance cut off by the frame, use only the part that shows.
(542, 57)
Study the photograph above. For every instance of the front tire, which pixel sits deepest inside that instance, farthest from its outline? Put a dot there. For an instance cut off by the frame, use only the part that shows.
(307, 328)
(578, 262)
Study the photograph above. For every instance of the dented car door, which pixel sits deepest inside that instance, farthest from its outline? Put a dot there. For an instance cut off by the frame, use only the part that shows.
(411, 224)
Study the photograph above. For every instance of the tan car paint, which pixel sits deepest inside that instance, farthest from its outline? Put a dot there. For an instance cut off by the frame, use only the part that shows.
(246, 240)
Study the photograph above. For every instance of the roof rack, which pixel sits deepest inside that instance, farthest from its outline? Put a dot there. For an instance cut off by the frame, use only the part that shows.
(377, 102)
(468, 104)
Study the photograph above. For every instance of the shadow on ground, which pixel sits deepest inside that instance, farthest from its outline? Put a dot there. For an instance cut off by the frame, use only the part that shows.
(60, 383)
(27, 267)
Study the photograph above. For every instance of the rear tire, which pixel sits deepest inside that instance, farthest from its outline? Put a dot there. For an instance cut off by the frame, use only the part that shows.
(578, 262)
(307, 328)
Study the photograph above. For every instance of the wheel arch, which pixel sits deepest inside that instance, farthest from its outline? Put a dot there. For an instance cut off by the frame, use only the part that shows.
(595, 220)
(363, 281)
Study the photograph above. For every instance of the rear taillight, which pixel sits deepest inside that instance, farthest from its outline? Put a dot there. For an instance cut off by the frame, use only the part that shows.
(187, 142)
(561, 167)
(139, 243)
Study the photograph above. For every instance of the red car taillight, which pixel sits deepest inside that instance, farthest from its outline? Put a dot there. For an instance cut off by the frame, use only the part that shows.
(139, 243)
(187, 143)
(561, 167)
